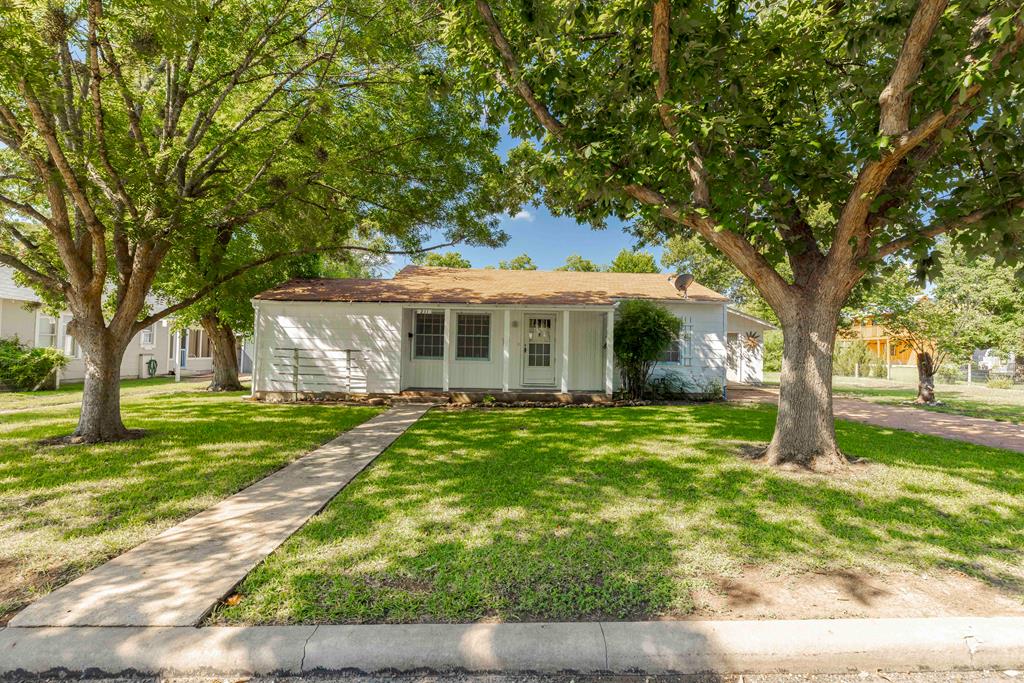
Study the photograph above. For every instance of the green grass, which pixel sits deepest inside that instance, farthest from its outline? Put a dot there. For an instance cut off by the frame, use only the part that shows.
(621, 513)
(1004, 405)
(63, 510)
(971, 400)
(71, 394)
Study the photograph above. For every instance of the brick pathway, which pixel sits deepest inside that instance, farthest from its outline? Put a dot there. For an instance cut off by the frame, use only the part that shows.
(958, 427)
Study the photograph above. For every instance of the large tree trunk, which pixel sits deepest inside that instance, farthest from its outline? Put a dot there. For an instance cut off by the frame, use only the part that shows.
(805, 429)
(225, 356)
(925, 377)
(100, 419)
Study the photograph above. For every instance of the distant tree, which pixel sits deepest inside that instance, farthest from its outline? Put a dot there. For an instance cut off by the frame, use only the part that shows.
(448, 259)
(996, 291)
(642, 331)
(936, 328)
(521, 262)
(628, 261)
(578, 264)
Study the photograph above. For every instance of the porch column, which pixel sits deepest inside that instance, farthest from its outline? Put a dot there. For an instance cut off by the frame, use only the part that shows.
(177, 356)
(565, 351)
(609, 357)
(255, 351)
(506, 350)
(446, 362)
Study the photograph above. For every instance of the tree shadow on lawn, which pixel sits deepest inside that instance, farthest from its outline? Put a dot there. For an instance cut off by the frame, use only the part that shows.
(66, 509)
(621, 513)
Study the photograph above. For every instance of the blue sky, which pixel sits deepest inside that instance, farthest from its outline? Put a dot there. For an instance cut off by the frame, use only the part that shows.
(547, 239)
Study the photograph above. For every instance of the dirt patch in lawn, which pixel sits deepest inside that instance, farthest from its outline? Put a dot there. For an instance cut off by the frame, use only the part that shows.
(760, 594)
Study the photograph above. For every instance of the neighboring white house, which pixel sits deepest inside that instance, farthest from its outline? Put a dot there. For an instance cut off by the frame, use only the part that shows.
(480, 331)
(22, 316)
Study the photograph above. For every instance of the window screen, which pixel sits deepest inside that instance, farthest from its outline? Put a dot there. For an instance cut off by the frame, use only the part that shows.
(680, 349)
(473, 338)
(47, 331)
(429, 336)
(671, 353)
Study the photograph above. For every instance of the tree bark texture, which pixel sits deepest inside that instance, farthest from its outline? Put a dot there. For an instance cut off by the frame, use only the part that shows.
(925, 377)
(100, 419)
(805, 432)
(225, 356)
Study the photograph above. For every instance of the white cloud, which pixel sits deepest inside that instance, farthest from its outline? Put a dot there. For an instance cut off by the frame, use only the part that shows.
(523, 215)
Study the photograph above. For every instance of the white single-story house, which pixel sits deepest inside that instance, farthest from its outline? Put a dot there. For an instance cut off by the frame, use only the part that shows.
(22, 316)
(483, 331)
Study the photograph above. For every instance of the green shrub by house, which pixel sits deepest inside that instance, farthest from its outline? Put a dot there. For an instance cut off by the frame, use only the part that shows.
(23, 368)
(642, 332)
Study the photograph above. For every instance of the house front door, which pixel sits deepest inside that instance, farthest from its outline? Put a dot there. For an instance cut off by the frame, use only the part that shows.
(539, 350)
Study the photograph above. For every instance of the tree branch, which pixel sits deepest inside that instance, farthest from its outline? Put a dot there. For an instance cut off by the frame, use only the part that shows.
(944, 227)
(896, 97)
(241, 270)
(517, 81)
(51, 285)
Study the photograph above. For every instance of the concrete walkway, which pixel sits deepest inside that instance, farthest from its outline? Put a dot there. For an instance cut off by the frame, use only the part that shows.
(176, 578)
(957, 427)
(685, 647)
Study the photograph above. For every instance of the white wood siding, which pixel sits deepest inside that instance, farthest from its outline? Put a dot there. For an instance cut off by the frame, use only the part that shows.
(586, 351)
(747, 364)
(321, 331)
(381, 333)
(709, 345)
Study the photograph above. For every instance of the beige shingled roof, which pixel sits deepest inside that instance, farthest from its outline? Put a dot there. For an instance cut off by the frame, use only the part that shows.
(426, 285)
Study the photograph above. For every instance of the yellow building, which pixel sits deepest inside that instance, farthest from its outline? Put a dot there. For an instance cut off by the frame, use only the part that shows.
(880, 342)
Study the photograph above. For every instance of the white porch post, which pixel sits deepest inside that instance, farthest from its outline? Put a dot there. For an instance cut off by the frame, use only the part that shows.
(609, 357)
(446, 364)
(255, 351)
(177, 356)
(725, 346)
(565, 351)
(506, 350)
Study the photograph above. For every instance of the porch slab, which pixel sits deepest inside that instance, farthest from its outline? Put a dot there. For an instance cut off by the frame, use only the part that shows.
(479, 395)
(176, 578)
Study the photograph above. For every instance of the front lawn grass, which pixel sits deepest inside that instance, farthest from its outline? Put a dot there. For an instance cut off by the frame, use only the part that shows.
(1003, 405)
(71, 394)
(64, 510)
(620, 513)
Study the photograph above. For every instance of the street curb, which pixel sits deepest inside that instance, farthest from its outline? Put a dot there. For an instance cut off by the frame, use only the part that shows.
(811, 646)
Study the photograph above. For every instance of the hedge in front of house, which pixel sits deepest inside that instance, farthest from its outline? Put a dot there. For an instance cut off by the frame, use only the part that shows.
(23, 368)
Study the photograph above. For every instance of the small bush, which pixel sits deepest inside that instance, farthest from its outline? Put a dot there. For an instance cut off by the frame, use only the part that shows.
(642, 332)
(999, 383)
(948, 374)
(23, 368)
(849, 357)
(673, 386)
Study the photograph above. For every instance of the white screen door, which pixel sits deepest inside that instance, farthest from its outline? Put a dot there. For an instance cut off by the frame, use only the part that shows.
(538, 350)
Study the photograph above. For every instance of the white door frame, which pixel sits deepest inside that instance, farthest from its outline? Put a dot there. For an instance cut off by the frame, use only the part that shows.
(553, 342)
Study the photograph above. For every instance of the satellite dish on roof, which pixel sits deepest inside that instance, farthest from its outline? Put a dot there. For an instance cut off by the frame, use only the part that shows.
(682, 282)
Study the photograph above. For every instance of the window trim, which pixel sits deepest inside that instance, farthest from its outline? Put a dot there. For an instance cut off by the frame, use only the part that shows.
(490, 327)
(56, 330)
(416, 334)
(151, 344)
(683, 344)
(76, 349)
